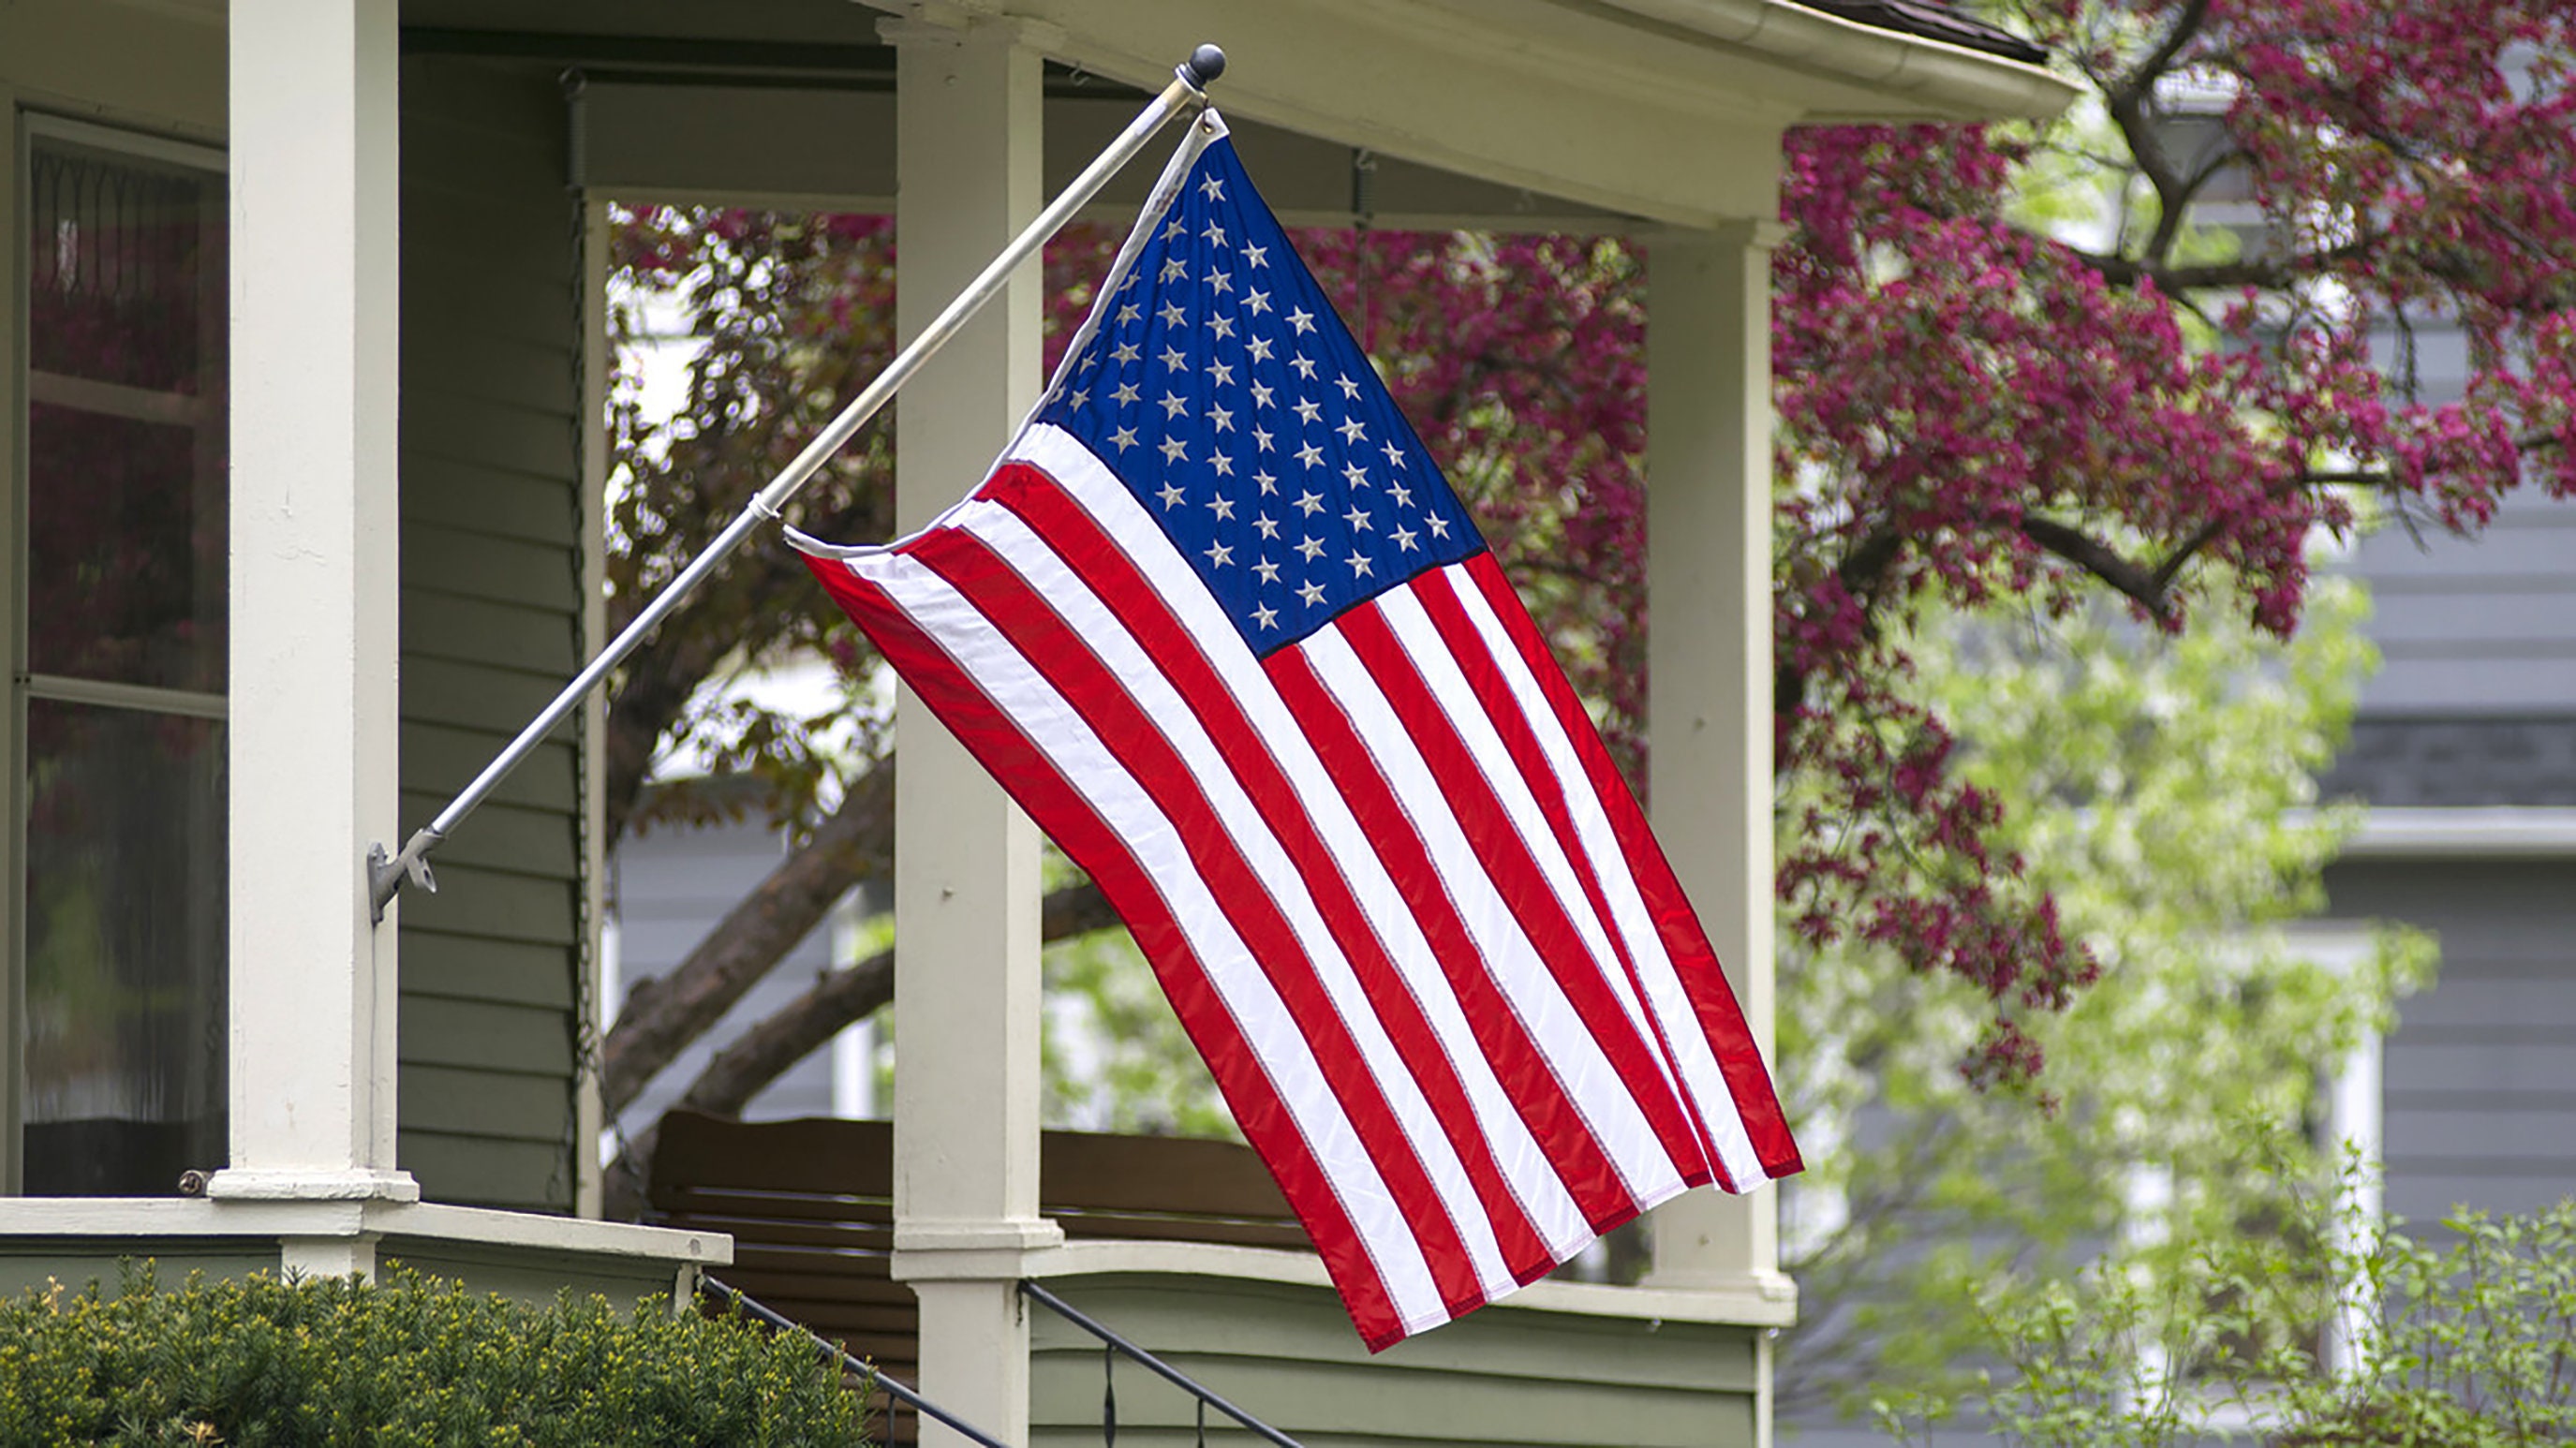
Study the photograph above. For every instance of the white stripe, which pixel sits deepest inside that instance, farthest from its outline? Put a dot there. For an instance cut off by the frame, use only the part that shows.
(1664, 990)
(1525, 1165)
(1447, 682)
(1590, 1080)
(1057, 730)
(1145, 684)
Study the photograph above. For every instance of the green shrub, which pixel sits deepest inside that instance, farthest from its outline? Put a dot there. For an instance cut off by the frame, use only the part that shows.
(2464, 1341)
(407, 1362)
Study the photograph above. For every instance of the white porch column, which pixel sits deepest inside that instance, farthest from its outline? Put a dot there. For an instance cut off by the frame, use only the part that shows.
(313, 593)
(1708, 562)
(966, 860)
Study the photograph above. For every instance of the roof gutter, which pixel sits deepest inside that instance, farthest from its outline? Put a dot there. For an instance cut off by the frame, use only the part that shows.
(1947, 79)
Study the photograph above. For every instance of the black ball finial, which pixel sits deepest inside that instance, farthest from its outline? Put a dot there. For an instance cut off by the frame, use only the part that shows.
(1204, 65)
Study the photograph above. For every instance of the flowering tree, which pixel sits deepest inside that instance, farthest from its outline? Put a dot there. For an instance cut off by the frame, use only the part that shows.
(2016, 372)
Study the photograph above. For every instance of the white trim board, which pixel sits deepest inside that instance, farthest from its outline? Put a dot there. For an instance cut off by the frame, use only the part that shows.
(2510, 832)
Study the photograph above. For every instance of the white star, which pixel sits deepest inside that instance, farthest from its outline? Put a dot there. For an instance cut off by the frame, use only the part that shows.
(1310, 455)
(1260, 349)
(1220, 281)
(1305, 367)
(1394, 455)
(1310, 548)
(1175, 269)
(1269, 484)
(1404, 538)
(1174, 404)
(1089, 360)
(1079, 398)
(1265, 525)
(1218, 556)
(1261, 395)
(1223, 507)
(1268, 570)
(1256, 256)
(1175, 450)
(1223, 464)
(1212, 188)
(1124, 352)
(1124, 393)
(1357, 519)
(1350, 389)
(1261, 438)
(1439, 526)
(1312, 592)
(1310, 503)
(1357, 475)
(1266, 616)
(1221, 328)
(1223, 372)
(1172, 313)
(1174, 232)
(1302, 320)
(1306, 410)
(1128, 313)
(1174, 361)
(1223, 419)
(1351, 430)
(1214, 233)
(1171, 495)
(1359, 564)
(1124, 437)
(1257, 303)
(1403, 495)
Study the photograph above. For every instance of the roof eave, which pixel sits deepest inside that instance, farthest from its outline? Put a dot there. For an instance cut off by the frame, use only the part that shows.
(1922, 78)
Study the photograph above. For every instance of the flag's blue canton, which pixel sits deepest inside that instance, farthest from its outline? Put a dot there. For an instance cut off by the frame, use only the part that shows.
(1228, 396)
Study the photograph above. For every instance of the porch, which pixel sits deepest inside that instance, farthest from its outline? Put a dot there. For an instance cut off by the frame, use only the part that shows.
(1187, 1249)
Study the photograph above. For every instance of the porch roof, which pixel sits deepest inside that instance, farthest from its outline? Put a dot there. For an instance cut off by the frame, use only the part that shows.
(1516, 112)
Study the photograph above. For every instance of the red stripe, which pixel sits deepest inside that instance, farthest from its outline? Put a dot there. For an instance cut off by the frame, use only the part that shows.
(1502, 708)
(1694, 959)
(1031, 780)
(1060, 655)
(1096, 559)
(1552, 1114)
(1515, 871)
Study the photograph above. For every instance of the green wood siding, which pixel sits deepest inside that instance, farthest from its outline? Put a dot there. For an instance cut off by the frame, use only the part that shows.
(1504, 1375)
(491, 627)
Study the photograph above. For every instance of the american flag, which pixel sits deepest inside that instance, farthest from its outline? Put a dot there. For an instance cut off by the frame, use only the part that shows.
(1219, 625)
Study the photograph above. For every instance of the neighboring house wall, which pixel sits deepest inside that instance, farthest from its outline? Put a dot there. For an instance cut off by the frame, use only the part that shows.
(491, 627)
(2475, 711)
(673, 884)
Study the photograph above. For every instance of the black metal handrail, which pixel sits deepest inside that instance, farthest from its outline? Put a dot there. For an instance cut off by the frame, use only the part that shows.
(894, 1389)
(1119, 1345)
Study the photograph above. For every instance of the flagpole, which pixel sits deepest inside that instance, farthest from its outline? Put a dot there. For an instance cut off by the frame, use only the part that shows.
(1187, 90)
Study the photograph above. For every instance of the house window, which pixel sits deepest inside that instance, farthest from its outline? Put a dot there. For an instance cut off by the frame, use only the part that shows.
(117, 702)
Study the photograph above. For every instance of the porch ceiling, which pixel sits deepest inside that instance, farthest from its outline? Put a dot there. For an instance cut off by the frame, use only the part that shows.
(1528, 113)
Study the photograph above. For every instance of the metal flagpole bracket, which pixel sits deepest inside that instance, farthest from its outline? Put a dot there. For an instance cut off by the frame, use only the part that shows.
(1188, 91)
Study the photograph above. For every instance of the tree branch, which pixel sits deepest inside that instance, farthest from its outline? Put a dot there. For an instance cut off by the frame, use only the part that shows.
(659, 1022)
(2143, 586)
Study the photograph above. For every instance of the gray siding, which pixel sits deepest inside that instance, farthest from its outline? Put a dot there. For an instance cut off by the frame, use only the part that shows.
(672, 885)
(2480, 1075)
(491, 627)
(2475, 628)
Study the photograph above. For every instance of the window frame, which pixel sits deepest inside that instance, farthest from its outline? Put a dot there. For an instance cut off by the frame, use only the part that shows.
(17, 395)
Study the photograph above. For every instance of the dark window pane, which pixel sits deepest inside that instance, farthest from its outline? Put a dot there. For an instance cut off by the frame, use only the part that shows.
(125, 550)
(125, 269)
(125, 950)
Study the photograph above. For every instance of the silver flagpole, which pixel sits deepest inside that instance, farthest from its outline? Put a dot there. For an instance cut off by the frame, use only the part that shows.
(1187, 91)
